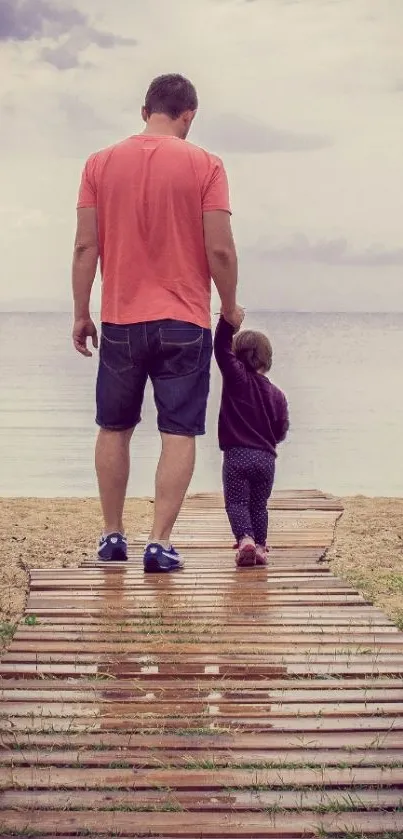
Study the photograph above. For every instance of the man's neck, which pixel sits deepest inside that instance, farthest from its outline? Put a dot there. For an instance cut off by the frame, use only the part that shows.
(159, 124)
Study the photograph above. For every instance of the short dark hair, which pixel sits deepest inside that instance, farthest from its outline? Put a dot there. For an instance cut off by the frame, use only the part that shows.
(254, 350)
(171, 95)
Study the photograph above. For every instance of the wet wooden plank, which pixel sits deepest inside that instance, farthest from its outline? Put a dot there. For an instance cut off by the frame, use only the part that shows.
(194, 725)
(291, 540)
(196, 742)
(366, 620)
(303, 585)
(246, 712)
(208, 825)
(285, 569)
(228, 611)
(110, 669)
(189, 779)
(268, 650)
(204, 800)
(109, 600)
(185, 759)
(246, 635)
(325, 689)
(202, 656)
(263, 590)
(134, 573)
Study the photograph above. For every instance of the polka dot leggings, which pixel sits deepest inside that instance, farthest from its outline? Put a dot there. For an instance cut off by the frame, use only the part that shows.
(248, 476)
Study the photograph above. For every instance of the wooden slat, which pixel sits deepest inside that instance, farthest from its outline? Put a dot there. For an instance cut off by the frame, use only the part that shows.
(193, 743)
(302, 585)
(166, 758)
(202, 656)
(327, 620)
(116, 669)
(126, 687)
(145, 711)
(188, 725)
(161, 645)
(203, 801)
(213, 779)
(272, 641)
(287, 640)
(208, 825)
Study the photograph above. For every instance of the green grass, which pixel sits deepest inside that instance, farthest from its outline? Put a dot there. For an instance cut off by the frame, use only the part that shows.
(399, 619)
(31, 620)
(7, 631)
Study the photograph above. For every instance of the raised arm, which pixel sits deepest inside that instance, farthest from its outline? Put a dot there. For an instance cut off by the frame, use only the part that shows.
(219, 241)
(231, 369)
(222, 258)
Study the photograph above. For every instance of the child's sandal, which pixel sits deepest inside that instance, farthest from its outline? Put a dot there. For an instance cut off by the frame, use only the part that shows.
(261, 554)
(246, 555)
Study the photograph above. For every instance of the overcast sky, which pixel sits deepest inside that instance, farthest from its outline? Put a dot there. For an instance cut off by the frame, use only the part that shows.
(303, 99)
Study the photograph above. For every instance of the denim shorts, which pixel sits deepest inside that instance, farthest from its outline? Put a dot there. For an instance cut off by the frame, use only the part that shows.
(175, 355)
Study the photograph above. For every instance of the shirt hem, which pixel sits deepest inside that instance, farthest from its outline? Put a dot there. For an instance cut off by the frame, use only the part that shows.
(188, 317)
(239, 445)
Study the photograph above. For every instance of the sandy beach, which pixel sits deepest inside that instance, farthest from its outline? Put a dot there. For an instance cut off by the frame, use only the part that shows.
(42, 533)
(368, 551)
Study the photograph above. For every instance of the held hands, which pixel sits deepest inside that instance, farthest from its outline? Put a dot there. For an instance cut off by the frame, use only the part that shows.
(234, 316)
(84, 328)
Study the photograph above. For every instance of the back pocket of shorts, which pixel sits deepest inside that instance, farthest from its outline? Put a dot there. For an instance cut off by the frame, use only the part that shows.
(115, 348)
(181, 348)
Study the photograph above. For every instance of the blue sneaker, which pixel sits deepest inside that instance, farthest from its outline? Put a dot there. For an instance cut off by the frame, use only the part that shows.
(159, 559)
(113, 548)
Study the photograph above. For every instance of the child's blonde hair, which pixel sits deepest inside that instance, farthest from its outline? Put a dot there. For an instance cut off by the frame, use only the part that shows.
(254, 350)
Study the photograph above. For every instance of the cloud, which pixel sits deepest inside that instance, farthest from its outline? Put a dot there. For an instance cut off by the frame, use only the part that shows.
(234, 133)
(63, 57)
(21, 20)
(82, 115)
(57, 122)
(67, 27)
(329, 252)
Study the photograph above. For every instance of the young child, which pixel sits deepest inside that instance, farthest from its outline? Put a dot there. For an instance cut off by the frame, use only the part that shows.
(253, 420)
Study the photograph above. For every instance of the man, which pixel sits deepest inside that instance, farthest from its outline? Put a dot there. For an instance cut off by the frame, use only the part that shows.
(155, 210)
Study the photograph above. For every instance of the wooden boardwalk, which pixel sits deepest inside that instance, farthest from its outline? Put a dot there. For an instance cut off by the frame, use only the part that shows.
(213, 703)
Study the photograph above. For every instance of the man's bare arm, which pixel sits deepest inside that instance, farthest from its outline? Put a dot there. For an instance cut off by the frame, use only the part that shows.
(85, 261)
(222, 261)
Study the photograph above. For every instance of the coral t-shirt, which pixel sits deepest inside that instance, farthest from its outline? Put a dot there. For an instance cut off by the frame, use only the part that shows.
(150, 193)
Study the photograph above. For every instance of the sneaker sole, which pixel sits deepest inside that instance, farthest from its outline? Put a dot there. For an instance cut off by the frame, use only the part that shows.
(246, 557)
(152, 566)
(117, 556)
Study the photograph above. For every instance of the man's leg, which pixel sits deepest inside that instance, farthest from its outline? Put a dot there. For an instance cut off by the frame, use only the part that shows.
(174, 473)
(180, 355)
(112, 461)
(122, 376)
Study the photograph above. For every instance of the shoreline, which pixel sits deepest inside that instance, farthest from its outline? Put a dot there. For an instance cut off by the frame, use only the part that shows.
(60, 532)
